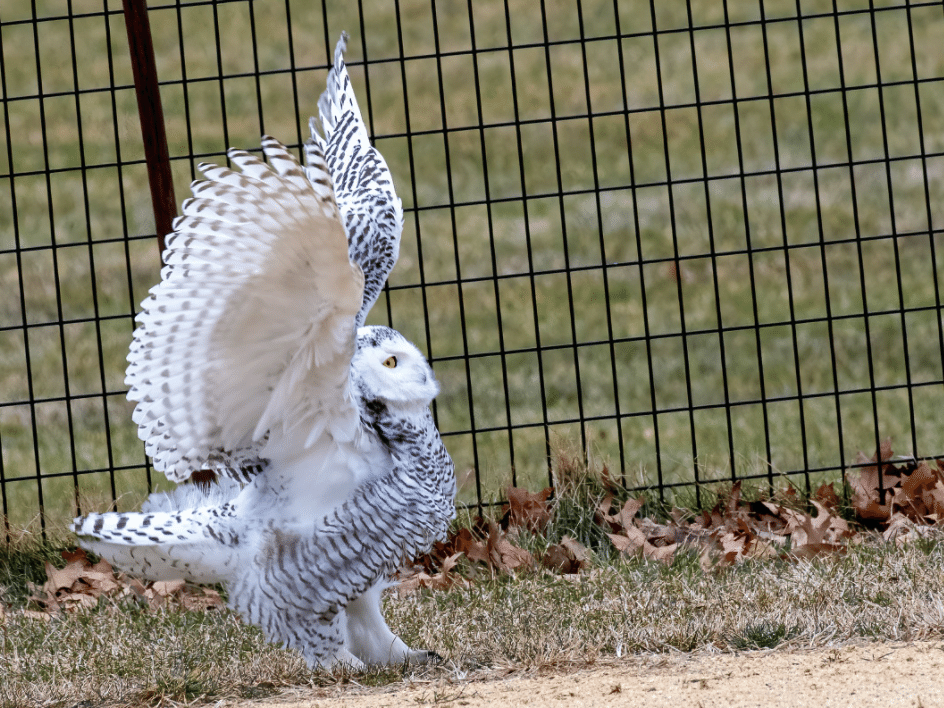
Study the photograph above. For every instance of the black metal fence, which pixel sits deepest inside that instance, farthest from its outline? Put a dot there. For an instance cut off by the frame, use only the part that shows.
(696, 240)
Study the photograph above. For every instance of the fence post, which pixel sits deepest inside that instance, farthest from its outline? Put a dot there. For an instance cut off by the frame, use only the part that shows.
(151, 115)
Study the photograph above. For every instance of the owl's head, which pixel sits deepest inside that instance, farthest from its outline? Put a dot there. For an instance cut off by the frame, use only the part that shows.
(388, 367)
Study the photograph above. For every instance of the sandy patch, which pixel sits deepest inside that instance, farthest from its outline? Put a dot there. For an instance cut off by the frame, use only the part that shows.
(886, 675)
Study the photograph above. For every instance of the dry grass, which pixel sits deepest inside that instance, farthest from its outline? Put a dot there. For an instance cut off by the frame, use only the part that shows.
(128, 656)
(132, 657)
(875, 591)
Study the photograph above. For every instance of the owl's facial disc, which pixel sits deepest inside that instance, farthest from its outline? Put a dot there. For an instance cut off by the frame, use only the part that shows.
(392, 369)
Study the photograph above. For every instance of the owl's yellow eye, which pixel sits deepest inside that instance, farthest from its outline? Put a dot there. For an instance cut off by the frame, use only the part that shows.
(390, 362)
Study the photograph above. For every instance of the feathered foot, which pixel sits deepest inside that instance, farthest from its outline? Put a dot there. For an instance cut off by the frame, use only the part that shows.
(372, 641)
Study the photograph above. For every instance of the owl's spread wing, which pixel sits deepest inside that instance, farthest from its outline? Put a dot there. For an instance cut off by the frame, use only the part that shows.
(370, 208)
(251, 330)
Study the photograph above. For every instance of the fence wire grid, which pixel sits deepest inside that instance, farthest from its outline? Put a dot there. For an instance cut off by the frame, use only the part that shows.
(695, 241)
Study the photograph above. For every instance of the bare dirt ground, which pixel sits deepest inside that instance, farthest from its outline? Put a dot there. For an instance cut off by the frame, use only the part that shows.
(886, 675)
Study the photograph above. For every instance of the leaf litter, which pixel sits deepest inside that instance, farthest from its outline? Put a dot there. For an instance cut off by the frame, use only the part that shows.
(81, 584)
(903, 498)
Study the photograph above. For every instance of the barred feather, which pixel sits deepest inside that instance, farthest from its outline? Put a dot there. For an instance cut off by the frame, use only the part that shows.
(371, 211)
(198, 545)
(294, 578)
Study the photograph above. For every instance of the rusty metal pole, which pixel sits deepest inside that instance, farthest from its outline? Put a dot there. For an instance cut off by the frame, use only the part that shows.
(151, 115)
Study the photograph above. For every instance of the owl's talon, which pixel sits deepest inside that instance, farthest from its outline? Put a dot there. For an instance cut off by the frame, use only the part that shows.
(424, 656)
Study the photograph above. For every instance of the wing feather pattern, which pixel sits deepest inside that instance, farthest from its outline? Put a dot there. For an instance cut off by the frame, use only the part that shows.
(371, 211)
(251, 330)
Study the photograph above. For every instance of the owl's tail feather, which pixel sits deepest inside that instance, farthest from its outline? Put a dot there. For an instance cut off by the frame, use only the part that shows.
(195, 544)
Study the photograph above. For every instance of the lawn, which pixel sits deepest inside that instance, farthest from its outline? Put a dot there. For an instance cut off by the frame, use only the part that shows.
(729, 268)
(534, 621)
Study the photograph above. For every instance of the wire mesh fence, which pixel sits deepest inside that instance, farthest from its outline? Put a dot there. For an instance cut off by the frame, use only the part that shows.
(696, 240)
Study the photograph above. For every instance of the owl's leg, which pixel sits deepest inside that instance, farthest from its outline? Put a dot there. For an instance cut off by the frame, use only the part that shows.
(371, 640)
(322, 644)
(320, 639)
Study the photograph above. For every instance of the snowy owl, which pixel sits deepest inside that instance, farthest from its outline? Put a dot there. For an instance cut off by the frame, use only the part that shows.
(251, 359)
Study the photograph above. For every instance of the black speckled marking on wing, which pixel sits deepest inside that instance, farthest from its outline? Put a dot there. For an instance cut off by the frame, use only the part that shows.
(364, 189)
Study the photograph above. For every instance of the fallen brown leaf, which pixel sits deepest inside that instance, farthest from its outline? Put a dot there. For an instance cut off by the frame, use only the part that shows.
(579, 551)
(503, 555)
(567, 557)
(733, 530)
(826, 495)
(474, 549)
(440, 581)
(911, 489)
(80, 584)
(527, 510)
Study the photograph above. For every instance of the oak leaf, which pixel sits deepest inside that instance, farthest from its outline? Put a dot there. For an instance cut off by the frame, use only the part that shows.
(503, 555)
(567, 557)
(623, 519)
(439, 581)
(810, 536)
(826, 495)
(62, 579)
(528, 510)
(80, 584)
